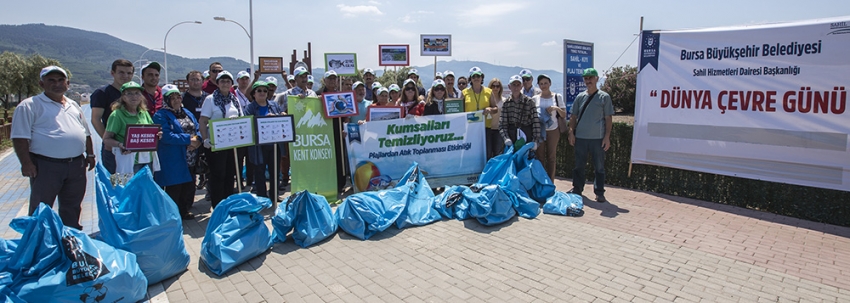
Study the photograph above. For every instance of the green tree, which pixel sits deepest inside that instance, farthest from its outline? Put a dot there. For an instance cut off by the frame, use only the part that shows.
(34, 65)
(393, 76)
(621, 84)
(11, 76)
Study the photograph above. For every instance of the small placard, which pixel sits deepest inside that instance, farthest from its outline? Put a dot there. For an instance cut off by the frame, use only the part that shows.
(231, 133)
(271, 65)
(141, 137)
(337, 105)
(378, 113)
(275, 129)
(453, 106)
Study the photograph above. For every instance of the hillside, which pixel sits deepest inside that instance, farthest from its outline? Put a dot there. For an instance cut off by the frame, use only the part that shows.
(89, 56)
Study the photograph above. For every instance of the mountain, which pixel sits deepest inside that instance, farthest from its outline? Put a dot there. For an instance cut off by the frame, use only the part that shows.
(89, 55)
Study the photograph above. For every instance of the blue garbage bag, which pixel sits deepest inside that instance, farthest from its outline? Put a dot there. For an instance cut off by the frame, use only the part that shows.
(364, 214)
(451, 203)
(417, 210)
(565, 204)
(142, 219)
(235, 232)
(7, 250)
(54, 263)
(500, 170)
(524, 205)
(494, 208)
(532, 177)
(309, 214)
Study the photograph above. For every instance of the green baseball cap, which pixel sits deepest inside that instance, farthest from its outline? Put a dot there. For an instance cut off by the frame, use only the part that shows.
(590, 72)
(130, 85)
(258, 84)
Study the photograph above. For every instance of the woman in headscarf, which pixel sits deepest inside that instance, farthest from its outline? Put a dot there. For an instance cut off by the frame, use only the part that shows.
(220, 104)
(131, 108)
(177, 150)
(262, 156)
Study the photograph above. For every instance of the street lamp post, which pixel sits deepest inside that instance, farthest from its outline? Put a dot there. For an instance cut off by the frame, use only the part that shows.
(165, 47)
(140, 61)
(250, 35)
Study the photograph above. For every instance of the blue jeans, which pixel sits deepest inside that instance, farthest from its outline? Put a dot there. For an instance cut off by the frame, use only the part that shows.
(583, 149)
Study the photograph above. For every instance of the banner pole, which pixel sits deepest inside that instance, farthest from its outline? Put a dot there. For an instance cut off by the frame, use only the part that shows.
(629, 174)
(435, 67)
(275, 176)
(342, 150)
(238, 173)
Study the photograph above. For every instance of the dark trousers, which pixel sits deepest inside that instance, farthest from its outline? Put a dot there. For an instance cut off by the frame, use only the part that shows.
(65, 180)
(183, 195)
(593, 149)
(260, 171)
(242, 154)
(222, 174)
(495, 143)
(528, 130)
(107, 158)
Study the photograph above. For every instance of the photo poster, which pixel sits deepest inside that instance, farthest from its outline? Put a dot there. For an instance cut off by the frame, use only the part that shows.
(578, 56)
(380, 152)
(271, 65)
(142, 137)
(380, 113)
(453, 106)
(764, 102)
(229, 133)
(394, 55)
(435, 45)
(275, 129)
(338, 105)
(313, 153)
(344, 64)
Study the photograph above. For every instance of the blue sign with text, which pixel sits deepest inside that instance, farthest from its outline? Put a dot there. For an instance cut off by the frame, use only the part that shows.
(577, 56)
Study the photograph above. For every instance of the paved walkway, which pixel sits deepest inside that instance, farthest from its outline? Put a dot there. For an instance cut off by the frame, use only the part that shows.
(641, 247)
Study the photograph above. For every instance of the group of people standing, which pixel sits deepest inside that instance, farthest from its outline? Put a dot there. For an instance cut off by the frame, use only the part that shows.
(184, 158)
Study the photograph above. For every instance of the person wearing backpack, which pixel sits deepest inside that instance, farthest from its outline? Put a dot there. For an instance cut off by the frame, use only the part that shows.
(590, 133)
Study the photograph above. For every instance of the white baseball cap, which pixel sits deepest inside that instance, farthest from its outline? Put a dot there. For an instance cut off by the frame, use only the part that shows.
(242, 74)
(169, 89)
(368, 71)
(438, 82)
(51, 69)
(330, 73)
(475, 70)
(413, 71)
(271, 80)
(299, 71)
(206, 74)
(448, 73)
(376, 85)
(290, 78)
(356, 84)
(515, 78)
(525, 73)
(438, 75)
(394, 87)
(383, 90)
(309, 78)
(224, 73)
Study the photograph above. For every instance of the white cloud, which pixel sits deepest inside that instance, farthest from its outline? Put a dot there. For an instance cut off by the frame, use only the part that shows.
(414, 17)
(351, 11)
(549, 43)
(373, 2)
(401, 34)
(487, 13)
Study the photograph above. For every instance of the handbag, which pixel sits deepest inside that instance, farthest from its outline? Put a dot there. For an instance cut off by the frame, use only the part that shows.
(562, 121)
(201, 166)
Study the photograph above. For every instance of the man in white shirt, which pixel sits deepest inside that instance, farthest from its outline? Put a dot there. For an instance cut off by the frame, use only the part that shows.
(50, 135)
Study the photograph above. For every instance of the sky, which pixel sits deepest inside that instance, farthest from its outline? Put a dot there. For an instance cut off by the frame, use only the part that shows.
(526, 33)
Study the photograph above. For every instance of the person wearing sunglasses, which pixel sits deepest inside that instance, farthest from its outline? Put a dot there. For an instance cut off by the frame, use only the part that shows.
(462, 83)
(222, 103)
(495, 144)
(262, 156)
(436, 96)
(413, 74)
(528, 88)
(410, 99)
(210, 84)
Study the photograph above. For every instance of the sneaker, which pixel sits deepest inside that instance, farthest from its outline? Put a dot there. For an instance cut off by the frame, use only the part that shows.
(601, 198)
(574, 191)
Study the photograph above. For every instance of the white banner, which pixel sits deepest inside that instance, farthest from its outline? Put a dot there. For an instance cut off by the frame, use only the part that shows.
(449, 149)
(765, 102)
